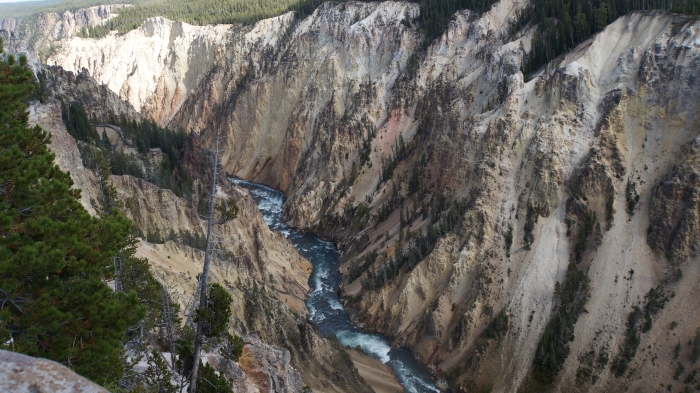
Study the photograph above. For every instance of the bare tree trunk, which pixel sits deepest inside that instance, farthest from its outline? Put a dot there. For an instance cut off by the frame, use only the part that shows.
(205, 271)
(169, 326)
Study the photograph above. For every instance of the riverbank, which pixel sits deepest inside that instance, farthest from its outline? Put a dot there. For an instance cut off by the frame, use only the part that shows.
(377, 374)
(327, 312)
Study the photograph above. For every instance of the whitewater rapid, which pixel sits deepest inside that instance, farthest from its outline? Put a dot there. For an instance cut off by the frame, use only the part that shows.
(325, 309)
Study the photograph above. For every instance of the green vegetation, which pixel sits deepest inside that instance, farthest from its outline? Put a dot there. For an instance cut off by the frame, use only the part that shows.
(589, 233)
(158, 376)
(232, 348)
(193, 239)
(680, 369)
(563, 25)
(533, 212)
(553, 348)
(419, 246)
(571, 298)
(170, 173)
(215, 317)
(27, 8)
(209, 381)
(631, 196)
(77, 122)
(55, 259)
(356, 271)
(509, 240)
(135, 275)
(366, 148)
(632, 340)
(498, 325)
(196, 12)
(398, 153)
(638, 322)
(215, 320)
(695, 353)
(435, 15)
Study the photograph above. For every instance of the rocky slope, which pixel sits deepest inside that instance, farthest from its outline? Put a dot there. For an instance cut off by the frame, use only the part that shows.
(266, 276)
(38, 36)
(489, 183)
(153, 67)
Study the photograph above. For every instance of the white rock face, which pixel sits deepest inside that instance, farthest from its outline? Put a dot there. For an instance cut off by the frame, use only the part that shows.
(37, 36)
(153, 67)
(298, 105)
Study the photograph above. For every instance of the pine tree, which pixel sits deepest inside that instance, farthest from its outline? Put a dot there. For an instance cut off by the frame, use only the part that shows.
(55, 258)
(217, 313)
(212, 382)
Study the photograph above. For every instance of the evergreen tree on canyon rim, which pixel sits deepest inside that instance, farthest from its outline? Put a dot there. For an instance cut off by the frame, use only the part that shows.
(55, 259)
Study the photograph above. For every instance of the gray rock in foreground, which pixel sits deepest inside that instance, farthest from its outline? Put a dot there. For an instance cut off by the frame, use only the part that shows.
(21, 373)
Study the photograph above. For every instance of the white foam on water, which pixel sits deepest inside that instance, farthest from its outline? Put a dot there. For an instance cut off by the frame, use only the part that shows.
(372, 344)
(314, 314)
(410, 381)
(270, 202)
(335, 305)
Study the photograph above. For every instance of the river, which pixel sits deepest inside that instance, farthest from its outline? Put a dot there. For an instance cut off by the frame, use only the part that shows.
(325, 309)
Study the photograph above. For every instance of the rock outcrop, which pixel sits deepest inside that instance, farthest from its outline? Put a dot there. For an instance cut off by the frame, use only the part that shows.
(25, 374)
(63, 145)
(37, 36)
(154, 67)
(674, 212)
(469, 182)
(267, 256)
(262, 270)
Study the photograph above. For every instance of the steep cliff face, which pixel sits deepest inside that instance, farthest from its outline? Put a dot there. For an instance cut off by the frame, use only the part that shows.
(63, 145)
(247, 241)
(98, 100)
(298, 112)
(474, 187)
(153, 67)
(38, 35)
(266, 276)
(673, 222)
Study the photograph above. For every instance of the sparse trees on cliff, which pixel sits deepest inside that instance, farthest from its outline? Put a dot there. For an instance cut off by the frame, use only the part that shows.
(211, 319)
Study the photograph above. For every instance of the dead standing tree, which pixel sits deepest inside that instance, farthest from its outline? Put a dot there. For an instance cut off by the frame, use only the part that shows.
(227, 210)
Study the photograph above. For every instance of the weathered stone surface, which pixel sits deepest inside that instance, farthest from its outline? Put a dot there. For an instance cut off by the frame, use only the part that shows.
(269, 367)
(63, 145)
(674, 218)
(266, 276)
(298, 100)
(25, 374)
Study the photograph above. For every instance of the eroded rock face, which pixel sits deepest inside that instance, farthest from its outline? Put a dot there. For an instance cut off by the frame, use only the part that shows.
(246, 241)
(153, 67)
(63, 145)
(98, 100)
(269, 367)
(674, 221)
(299, 101)
(262, 270)
(37, 36)
(25, 374)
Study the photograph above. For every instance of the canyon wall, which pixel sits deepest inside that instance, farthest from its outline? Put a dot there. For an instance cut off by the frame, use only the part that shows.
(472, 184)
(261, 269)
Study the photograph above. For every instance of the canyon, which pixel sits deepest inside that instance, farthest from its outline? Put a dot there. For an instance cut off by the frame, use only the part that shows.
(457, 189)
